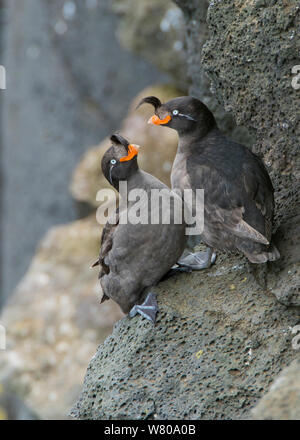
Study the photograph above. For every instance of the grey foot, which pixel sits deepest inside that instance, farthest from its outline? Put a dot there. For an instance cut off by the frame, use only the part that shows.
(148, 309)
(199, 260)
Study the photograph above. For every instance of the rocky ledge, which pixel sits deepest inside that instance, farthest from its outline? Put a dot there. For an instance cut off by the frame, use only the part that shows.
(219, 342)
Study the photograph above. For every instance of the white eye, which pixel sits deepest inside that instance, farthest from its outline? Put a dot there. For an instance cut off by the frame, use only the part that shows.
(113, 161)
(175, 112)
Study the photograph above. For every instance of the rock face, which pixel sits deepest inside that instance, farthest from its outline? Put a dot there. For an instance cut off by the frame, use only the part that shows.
(249, 56)
(282, 402)
(218, 344)
(158, 148)
(195, 12)
(54, 321)
(155, 31)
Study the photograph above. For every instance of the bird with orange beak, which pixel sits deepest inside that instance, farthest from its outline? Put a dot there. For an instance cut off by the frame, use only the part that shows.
(238, 193)
(135, 256)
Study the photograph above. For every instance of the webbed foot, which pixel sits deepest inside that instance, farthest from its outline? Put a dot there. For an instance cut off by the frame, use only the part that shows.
(148, 309)
(198, 260)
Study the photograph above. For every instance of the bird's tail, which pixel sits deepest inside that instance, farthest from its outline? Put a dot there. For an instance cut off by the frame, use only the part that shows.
(272, 254)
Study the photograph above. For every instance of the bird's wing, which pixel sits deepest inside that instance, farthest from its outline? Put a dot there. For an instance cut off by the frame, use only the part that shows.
(240, 199)
(258, 187)
(106, 243)
(139, 256)
(105, 247)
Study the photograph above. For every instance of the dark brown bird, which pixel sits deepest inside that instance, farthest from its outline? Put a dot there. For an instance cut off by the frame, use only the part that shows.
(238, 193)
(135, 257)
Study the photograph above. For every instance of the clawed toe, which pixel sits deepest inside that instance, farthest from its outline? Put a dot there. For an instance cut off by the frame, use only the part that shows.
(148, 309)
(198, 260)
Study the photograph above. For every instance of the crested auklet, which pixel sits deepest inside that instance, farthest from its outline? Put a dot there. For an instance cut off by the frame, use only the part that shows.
(238, 193)
(134, 257)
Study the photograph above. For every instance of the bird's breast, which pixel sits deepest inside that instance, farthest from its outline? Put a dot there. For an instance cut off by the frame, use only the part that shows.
(179, 176)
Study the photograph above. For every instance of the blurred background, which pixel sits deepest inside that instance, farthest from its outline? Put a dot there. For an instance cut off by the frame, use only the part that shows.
(75, 71)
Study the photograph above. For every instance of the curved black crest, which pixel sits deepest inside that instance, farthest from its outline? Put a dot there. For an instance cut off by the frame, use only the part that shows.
(117, 139)
(150, 100)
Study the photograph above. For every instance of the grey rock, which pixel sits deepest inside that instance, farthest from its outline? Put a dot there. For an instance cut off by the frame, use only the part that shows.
(249, 58)
(197, 33)
(283, 276)
(282, 402)
(288, 294)
(204, 359)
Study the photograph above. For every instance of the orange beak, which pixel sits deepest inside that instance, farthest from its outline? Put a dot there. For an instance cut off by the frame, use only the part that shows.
(156, 121)
(132, 152)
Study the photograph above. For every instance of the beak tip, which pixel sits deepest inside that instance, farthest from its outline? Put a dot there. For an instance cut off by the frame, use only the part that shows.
(155, 120)
(136, 146)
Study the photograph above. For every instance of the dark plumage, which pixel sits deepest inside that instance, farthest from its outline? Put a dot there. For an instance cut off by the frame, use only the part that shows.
(238, 193)
(134, 257)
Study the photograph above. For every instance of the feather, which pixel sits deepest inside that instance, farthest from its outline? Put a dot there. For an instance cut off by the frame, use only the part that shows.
(95, 264)
(117, 139)
(242, 229)
(150, 100)
(104, 298)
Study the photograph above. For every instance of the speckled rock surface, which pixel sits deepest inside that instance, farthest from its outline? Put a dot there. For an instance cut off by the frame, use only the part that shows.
(154, 30)
(195, 12)
(158, 148)
(54, 321)
(248, 51)
(249, 56)
(282, 402)
(218, 343)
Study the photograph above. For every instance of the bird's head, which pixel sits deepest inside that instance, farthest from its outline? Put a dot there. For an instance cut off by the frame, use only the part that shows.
(120, 160)
(183, 114)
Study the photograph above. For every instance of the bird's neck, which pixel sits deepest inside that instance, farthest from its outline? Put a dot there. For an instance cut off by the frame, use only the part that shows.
(135, 180)
(194, 139)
